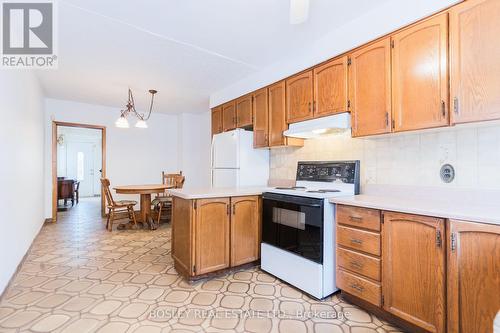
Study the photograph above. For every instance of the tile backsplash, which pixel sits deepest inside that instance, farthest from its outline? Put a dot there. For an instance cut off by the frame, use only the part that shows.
(412, 158)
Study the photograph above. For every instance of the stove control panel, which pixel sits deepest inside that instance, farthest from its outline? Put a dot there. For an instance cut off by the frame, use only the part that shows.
(341, 171)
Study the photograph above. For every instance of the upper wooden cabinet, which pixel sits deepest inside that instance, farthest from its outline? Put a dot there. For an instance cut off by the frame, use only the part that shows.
(211, 235)
(216, 120)
(420, 75)
(277, 117)
(473, 276)
(370, 89)
(229, 116)
(475, 60)
(330, 87)
(299, 97)
(245, 230)
(413, 274)
(244, 116)
(260, 118)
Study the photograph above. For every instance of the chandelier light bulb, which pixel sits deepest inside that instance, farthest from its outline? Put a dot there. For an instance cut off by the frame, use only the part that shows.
(122, 122)
(141, 124)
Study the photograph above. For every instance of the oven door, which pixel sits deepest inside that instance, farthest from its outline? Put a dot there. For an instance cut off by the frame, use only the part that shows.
(294, 224)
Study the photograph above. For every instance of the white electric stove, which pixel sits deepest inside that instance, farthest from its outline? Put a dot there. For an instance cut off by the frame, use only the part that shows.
(298, 225)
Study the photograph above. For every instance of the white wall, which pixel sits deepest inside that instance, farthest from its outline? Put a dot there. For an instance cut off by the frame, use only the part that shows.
(21, 168)
(194, 148)
(133, 155)
(385, 18)
(407, 158)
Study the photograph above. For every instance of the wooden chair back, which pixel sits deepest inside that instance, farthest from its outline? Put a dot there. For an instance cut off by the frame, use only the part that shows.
(176, 180)
(107, 192)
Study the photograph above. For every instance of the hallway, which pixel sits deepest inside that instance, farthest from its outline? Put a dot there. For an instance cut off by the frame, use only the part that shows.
(78, 277)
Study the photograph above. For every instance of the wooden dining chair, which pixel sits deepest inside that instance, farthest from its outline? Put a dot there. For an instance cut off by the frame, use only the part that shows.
(114, 207)
(163, 201)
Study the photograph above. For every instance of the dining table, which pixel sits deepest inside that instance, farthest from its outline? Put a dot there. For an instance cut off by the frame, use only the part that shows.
(145, 192)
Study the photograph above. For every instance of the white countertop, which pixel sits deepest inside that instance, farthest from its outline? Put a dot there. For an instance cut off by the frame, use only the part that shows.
(208, 192)
(473, 206)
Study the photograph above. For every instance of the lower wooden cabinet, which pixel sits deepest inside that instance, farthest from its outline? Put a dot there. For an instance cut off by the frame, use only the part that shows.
(209, 235)
(413, 274)
(473, 276)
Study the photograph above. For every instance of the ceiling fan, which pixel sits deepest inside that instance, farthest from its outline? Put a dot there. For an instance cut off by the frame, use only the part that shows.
(299, 11)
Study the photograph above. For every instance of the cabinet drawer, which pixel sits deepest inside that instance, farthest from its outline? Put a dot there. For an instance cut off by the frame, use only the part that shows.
(360, 240)
(359, 217)
(357, 286)
(359, 263)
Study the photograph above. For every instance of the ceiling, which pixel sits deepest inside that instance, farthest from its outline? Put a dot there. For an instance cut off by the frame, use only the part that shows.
(185, 49)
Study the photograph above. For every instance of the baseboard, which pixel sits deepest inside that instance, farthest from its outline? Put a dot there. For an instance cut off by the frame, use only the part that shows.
(18, 268)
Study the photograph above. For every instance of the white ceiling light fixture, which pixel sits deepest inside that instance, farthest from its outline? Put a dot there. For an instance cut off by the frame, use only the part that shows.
(299, 11)
(122, 122)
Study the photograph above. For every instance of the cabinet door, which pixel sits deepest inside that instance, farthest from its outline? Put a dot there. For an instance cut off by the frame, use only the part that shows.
(299, 97)
(244, 111)
(277, 123)
(182, 234)
(370, 89)
(245, 230)
(229, 116)
(330, 87)
(212, 235)
(413, 274)
(260, 125)
(475, 60)
(420, 75)
(473, 276)
(216, 120)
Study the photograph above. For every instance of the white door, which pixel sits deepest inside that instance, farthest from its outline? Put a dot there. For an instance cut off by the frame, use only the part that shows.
(80, 165)
(225, 152)
(225, 178)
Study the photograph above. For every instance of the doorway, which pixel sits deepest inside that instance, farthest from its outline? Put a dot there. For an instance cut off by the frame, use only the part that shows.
(78, 163)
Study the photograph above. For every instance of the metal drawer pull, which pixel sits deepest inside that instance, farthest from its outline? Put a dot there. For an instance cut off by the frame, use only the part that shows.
(356, 219)
(356, 264)
(357, 287)
(356, 241)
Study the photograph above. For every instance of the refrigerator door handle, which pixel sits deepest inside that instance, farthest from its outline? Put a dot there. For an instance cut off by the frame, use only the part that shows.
(212, 147)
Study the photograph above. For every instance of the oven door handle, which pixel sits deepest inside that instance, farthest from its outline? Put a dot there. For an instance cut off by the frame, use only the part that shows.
(315, 203)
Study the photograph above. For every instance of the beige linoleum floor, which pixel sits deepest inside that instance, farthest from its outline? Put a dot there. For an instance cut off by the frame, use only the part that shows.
(80, 278)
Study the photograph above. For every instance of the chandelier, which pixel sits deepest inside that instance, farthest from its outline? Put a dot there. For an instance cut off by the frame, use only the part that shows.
(122, 122)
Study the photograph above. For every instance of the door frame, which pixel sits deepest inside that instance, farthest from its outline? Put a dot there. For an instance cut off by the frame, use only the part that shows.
(55, 124)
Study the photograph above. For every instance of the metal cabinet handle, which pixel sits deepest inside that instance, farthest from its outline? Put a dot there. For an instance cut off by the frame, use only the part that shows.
(356, 264)
(356, 241)
(357, 287)
(356, 219)
(455, 106)
(443, 108)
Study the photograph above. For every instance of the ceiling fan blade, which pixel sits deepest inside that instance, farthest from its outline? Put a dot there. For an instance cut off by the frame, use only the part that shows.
(299, 11)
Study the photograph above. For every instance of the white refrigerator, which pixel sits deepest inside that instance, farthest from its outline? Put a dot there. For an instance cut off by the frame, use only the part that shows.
(235, 163)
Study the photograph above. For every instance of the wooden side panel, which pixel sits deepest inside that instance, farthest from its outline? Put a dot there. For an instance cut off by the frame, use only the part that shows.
(420, 75)
(182, 234)
(473, 276)
(244, 111)
(229, 116)
(413, 273)
(475, 60)
(245, 230)
(330, 87)
(370, 89)
(261, 119)
(216, 120)
(299, 97)
(212, 235)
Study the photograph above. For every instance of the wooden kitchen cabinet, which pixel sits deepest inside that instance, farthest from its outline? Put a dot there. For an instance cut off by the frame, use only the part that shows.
(330, 87)
(420, 75)
(182, 235)
(245, 230)
(299, 97)
(277, 117)
(473, 276)
(413, 273)
(475, 61)
(370, 89)
(244, 117)
(261, 119)
(229, 116)
(212, 235)
(216, 120)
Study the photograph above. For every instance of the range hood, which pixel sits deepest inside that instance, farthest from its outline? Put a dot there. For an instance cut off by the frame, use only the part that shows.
(320, 126)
